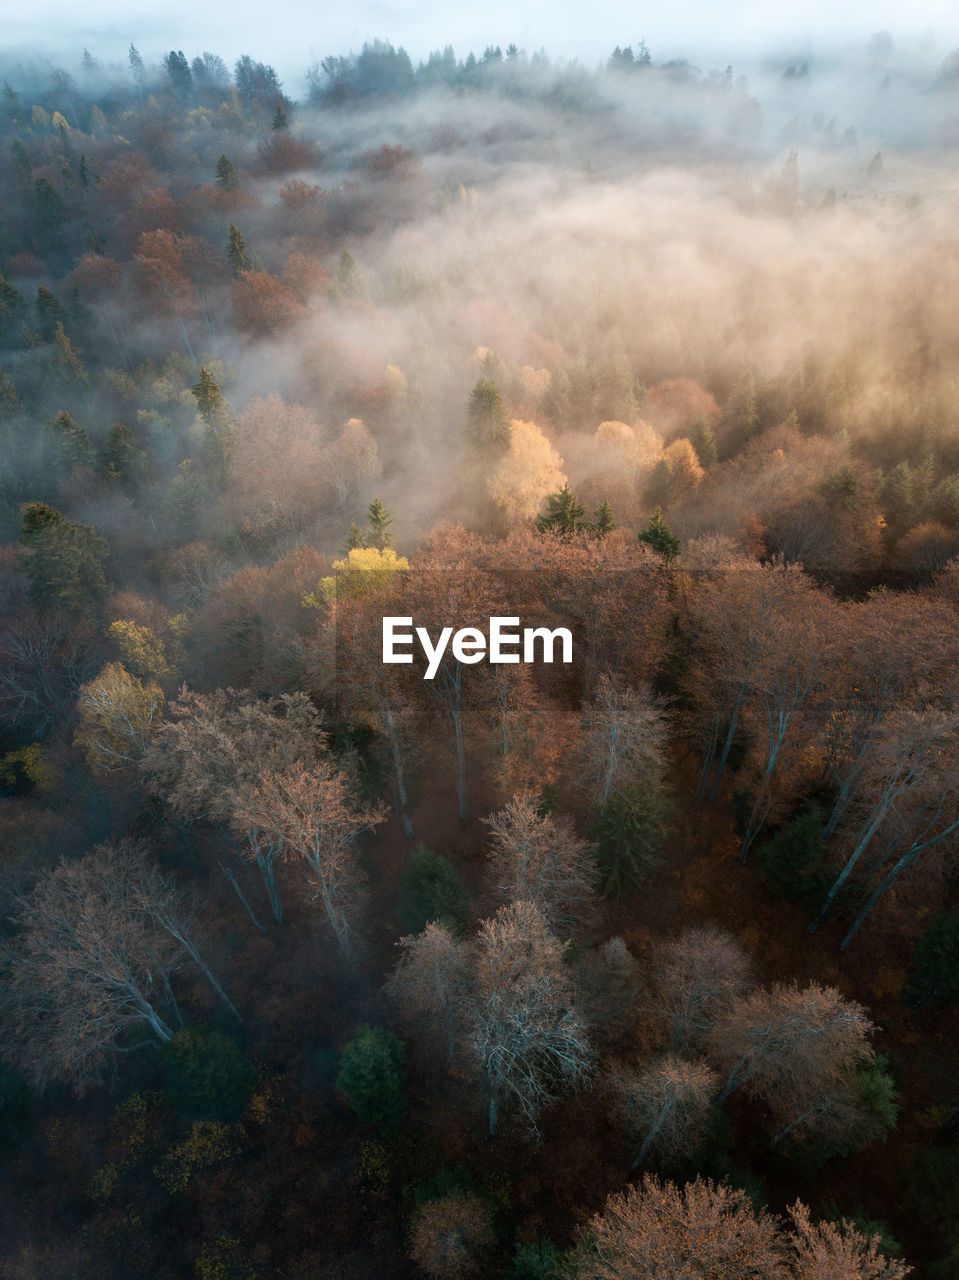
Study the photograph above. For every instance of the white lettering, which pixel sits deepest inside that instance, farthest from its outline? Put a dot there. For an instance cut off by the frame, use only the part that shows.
(548, 638)
(469, 646)
(434, 656)
(498, 637)
(391, 639)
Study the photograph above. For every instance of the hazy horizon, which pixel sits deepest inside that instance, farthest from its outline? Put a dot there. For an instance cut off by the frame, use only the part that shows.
(296, 37)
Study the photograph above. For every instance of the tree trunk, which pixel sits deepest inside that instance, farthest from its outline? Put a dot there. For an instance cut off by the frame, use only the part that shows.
(398, 775)
(727, 747)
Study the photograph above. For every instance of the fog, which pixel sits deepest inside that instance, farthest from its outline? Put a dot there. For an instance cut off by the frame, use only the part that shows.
(297, 34)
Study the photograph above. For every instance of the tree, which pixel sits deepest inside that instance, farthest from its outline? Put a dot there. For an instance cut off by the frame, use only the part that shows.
(525, 474)
(795, 1049)
(525, 1033)
(311, 815)
(371, 1076)
(451, 1235)
(694, 979)
(101, 940)
(838, 1251)
(237, 255)
(563, 513)
(487, 426)
(430, 988)
(664, 1106)
(910, 792)
(623, 744)
(227, 177)
(118, 717)
(213, 749)
(934, 975)
(658, 1231)
(603, 521)
(208, 1077)
(431, 889)
(538, 858)
(64, 561)
(657, 536)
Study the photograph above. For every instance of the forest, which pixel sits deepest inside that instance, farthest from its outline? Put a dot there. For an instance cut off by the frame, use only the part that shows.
(644, 965)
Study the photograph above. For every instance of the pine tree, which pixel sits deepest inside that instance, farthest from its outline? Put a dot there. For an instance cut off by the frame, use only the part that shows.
(657, 536)
(137, 69)
(214, 409)
(279, 120)
(487, 425)
(237, 255)
(379, 519)
(704, 442)
(226, 175)
(603, 522)
(563, 513)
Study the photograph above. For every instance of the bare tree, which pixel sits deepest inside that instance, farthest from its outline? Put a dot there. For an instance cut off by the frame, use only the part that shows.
(658, 1231)
(663, 1105)
(312, 815)
(838, 1251)
(214, 748)
(525, 1033)
(792, 1048)
(100, 943)
(450, 1236)
(693, 981)
(624, 741)
(539, 858)
(431, 984)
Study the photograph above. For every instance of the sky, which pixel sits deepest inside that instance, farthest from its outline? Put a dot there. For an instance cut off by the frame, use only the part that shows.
(291, 34)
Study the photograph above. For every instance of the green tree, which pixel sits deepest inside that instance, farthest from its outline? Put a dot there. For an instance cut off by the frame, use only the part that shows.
(236, 253)
(487, 426)
(603, 521)
(630, 833)
(73, 443)
(657, 536)
(934, 978)
(704, 442)
(432, 889)
(226, 175)
(371, 1076)
(279, 122)
(208, 1077)
(379, 520)
(563, 513)
(64, 561)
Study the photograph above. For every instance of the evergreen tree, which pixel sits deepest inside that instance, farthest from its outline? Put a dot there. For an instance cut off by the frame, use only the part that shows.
(226, 175)
(603, 522)
(214, 409)
(279, 123)
(178, 69)
(563, 513)
(49, 313)
(137, 69)
(65, 560)
(657, 536)
(379, 520)
(487, 425)
(236, 254)
(73, 443)
(371, 1076)
(704, 442)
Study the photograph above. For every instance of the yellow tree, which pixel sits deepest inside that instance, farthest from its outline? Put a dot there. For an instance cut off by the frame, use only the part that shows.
(529, 470)
(118, 716)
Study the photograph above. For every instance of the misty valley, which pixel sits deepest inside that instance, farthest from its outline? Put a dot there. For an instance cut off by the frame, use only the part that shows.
(479, 666)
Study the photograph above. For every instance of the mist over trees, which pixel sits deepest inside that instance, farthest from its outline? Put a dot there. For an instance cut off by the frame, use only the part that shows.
(642, 963)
